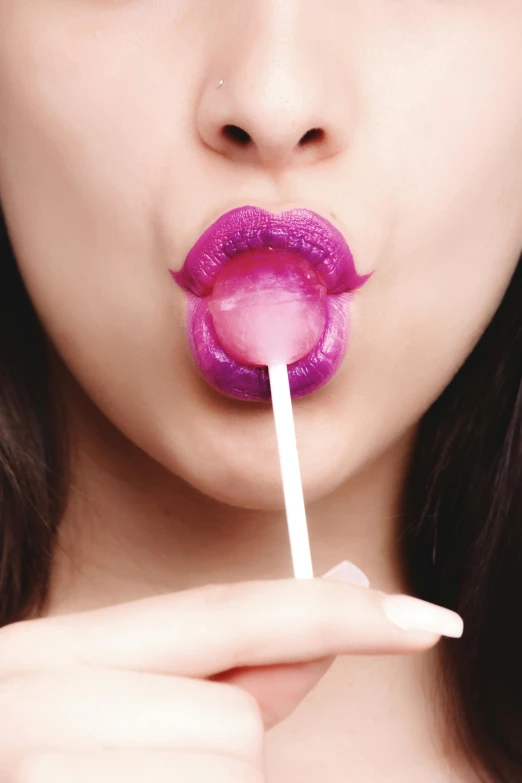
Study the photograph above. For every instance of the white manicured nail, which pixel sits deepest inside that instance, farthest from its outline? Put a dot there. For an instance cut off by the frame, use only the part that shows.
(348, 572)
(412, 614)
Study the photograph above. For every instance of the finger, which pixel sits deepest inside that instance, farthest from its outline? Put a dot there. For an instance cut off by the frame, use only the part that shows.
(207, 630)
(278, 689)
(88, 708)
(131, 767)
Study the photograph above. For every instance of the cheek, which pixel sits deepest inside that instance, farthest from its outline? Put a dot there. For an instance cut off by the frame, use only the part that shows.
(85, 130)
(94, 98)
(445, 139)
(444, 127)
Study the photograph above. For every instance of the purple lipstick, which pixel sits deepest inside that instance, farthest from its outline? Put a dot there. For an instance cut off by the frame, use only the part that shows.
(299, 252)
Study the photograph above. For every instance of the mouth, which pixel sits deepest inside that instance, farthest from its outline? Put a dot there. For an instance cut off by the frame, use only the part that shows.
(300, 233)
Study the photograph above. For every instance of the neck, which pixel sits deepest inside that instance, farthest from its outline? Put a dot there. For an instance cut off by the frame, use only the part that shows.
(132, 529)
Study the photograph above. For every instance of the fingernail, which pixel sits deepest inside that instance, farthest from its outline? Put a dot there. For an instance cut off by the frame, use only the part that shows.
(412, 614)
(348, 572)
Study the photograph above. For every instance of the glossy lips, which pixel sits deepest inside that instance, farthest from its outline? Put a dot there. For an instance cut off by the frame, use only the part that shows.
(308, 236)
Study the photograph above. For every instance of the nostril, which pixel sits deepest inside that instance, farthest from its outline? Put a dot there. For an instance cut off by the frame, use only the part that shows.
(311, 136)
(239, 136)
(236, 134)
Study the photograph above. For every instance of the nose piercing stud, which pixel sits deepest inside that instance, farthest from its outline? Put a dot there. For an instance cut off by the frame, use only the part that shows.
(220, 83)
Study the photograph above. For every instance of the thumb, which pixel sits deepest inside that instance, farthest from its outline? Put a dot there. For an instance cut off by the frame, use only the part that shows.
(280, 688)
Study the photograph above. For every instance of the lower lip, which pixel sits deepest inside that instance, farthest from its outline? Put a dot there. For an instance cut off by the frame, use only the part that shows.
(246, 382)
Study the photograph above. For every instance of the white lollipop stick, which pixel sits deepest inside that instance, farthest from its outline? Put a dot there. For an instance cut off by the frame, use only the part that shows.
(290, 473)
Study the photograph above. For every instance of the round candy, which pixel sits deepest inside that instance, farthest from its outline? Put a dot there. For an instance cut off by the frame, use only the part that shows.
(268, 307)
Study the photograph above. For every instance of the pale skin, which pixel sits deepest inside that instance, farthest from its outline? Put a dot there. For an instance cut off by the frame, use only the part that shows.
(112, 163)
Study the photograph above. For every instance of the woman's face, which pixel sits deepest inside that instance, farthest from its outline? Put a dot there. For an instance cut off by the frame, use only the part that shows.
(113, 162)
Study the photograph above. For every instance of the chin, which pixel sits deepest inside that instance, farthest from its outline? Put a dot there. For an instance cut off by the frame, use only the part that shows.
(250, 477)
(257, 494)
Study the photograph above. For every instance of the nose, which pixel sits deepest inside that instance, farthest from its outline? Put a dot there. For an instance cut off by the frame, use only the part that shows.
(277, 101)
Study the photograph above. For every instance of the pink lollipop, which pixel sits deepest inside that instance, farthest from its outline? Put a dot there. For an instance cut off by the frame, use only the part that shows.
(268, 307)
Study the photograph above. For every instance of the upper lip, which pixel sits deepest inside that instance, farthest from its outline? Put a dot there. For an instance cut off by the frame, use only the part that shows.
(301, 231)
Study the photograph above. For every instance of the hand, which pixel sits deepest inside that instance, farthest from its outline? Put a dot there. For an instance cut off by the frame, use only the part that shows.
(181, 686)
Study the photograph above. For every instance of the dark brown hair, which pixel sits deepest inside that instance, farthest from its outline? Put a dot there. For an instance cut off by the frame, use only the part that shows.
(33, 464)
(462, 537)
(461, 534)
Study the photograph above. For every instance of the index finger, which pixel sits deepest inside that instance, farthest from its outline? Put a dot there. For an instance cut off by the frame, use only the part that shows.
(207, 630)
